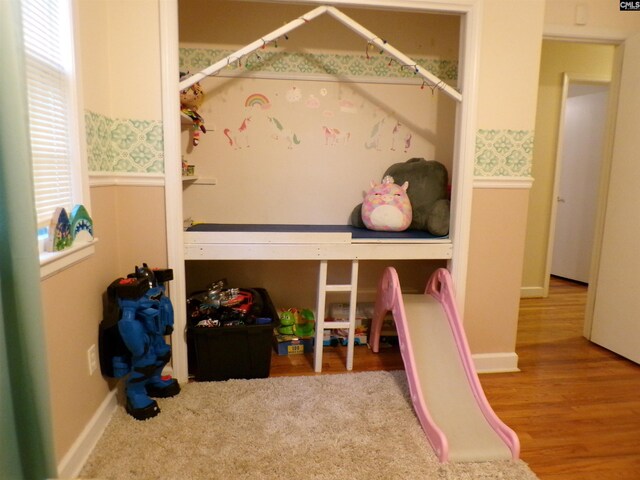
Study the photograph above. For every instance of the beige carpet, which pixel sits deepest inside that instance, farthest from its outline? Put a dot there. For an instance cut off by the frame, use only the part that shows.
(349, 426)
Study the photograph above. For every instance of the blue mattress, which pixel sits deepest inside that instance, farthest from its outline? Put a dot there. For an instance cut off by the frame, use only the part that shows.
(356, 233)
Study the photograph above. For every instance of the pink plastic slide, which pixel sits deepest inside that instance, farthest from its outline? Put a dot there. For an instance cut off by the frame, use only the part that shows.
(445, 390)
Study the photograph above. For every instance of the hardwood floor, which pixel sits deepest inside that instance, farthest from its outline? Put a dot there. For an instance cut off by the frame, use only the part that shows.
(575, 406)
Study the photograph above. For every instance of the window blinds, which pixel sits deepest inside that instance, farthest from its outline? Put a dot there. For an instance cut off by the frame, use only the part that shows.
(47, 61)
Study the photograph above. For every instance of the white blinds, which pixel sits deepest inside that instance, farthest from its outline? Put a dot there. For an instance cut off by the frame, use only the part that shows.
(48, 64)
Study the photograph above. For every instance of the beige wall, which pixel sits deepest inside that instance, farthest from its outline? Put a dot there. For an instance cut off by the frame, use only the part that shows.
(128, 221)
(270, 180)
(495, 260)
(509, 63)
(72, 301)
(603, 19)
(557, 58)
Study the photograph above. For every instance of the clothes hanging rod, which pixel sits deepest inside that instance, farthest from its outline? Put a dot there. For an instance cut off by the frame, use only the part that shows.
(395, 53)
(342, 18)
(252, 47)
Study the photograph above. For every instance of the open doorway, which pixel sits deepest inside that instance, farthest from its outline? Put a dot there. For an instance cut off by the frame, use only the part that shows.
(562, 63)
(581, 142)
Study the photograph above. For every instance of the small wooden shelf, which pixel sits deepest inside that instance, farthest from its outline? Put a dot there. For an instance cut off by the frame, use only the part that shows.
(197, 180)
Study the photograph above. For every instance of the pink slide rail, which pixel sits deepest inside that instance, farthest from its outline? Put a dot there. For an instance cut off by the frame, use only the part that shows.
(389, 299)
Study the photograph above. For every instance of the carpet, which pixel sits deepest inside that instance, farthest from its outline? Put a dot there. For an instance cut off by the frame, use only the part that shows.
(346, 426)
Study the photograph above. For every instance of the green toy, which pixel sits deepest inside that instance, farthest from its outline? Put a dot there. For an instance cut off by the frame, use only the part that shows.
(294, 322)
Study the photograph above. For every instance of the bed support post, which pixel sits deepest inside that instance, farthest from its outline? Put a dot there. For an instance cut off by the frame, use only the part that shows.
(349, 325)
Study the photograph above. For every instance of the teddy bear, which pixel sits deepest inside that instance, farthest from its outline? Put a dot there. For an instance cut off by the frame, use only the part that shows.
(428, 195)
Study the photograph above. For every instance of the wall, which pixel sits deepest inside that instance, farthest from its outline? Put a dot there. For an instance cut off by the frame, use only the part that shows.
(602, 21)
(508, 70)
(319, 76)
(605, 24)
(320, 120)
(557, 58)
(128, 220)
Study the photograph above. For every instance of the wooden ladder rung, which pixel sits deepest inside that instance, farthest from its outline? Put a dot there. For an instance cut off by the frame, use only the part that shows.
(335, 325)
(339, 288)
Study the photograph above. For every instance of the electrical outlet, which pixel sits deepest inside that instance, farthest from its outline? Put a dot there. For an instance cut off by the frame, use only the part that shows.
(93, 359)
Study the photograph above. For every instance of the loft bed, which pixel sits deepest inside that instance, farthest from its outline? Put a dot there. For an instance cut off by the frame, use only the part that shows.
(316, 242)
(210, 241)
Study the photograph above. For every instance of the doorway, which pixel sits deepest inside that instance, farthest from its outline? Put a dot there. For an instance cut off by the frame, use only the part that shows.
(581, 141)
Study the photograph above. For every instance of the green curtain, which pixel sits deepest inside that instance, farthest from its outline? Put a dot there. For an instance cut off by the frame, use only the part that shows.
(26, 442)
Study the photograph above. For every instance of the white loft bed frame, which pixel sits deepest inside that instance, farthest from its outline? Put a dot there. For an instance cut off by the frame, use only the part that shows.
(323, 247)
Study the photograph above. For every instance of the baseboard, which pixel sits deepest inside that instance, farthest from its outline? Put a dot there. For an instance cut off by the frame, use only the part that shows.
(72, 463)
(496, 362)
(532, 292)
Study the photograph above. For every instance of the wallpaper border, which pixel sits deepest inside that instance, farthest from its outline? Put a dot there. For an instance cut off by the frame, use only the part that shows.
(503, 154)
(123, 145)
(194, 59)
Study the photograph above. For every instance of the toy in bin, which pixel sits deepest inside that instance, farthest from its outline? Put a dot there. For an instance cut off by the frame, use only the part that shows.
(138, 316)
(221, 306)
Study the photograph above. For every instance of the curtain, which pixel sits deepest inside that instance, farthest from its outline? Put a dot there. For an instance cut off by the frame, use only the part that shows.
(26, 441)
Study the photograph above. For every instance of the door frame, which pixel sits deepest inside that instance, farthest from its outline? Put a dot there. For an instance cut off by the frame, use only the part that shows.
(568, 79)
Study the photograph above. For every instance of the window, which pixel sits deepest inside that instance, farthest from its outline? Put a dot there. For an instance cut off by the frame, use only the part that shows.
(54, 113)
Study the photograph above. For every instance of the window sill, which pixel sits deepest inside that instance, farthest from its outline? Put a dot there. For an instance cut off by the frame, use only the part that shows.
(54, 262)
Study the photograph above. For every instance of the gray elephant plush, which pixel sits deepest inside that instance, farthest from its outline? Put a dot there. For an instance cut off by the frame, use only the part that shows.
(428, 193)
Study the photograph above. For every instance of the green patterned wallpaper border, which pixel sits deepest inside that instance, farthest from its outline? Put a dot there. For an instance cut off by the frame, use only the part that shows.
(341, 65)
(503, 153)
(124, 145)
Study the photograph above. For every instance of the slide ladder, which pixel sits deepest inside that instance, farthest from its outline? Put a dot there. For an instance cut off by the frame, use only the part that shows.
(445, 390)
(350, 324)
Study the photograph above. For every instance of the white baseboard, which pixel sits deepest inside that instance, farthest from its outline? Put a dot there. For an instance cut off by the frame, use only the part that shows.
(496, 362)
(72, 463)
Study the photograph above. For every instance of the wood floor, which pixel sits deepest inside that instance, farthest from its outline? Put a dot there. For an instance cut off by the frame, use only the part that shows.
(575, 406)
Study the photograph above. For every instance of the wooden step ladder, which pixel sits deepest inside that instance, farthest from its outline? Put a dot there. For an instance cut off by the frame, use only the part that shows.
(350, 324)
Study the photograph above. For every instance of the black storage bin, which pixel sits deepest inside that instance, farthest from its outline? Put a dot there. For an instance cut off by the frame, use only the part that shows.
(222, 353)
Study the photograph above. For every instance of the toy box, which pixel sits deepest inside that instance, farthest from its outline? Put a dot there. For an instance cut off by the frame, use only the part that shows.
(292, 345)
(235, 351)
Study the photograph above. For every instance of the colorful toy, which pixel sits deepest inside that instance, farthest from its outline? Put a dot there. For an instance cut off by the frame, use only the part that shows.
(59, 232)
(138, 316)
(190, 101)
(296, 322)
(81, 224)
(386, 206)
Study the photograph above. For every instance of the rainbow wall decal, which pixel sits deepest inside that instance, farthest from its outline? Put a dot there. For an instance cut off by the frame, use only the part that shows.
(257, 99)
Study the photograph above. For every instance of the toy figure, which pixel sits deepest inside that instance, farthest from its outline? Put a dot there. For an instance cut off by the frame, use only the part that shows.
(191, 99)
(386, 206)
(139, 315)
(297, 322)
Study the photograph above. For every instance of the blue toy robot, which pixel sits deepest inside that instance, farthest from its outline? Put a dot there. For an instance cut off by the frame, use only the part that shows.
(139, 315)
